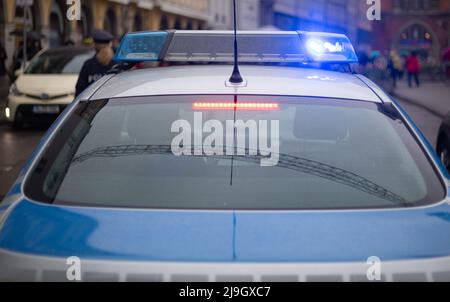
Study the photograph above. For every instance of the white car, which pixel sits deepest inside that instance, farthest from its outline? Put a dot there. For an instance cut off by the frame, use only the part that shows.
(47, 86)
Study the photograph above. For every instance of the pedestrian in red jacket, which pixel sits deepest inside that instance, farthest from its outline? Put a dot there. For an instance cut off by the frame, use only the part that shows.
(413, 69)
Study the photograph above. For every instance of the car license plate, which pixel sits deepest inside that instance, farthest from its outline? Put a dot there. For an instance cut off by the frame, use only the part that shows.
(46, 109)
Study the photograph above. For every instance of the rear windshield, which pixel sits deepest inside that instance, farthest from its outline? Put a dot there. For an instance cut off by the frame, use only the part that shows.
(62, 62)
(234, 152)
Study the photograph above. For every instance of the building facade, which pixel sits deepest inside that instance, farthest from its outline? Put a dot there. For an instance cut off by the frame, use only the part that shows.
(221, 14)
(48, 18)
(340, 16)
(414, 25)
(248, 14)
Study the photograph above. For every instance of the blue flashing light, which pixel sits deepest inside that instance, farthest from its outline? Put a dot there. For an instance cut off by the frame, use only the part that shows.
(141, 47)
(315, 46)
(208, 46)
(328, 48)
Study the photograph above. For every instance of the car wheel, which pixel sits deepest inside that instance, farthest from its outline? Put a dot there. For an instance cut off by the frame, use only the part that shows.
(443, 151)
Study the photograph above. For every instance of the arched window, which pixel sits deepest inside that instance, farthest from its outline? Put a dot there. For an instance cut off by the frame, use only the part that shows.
(2, 24)
(177, 24)
(164, 24)
(138, 22)
(3, 14)
(33, 12)
(85, 23)
(110, 23)
(83, 26)
(416, 35)
(56, 26)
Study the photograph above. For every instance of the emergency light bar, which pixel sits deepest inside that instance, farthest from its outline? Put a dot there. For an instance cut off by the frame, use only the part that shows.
(254, 47)
(141, 47)
(327, 47)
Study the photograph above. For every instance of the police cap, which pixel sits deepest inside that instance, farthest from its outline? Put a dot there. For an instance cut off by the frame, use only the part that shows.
(101, 36)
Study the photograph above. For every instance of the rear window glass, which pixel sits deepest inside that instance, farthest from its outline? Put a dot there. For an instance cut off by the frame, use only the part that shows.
(63, 62)
(234, 152)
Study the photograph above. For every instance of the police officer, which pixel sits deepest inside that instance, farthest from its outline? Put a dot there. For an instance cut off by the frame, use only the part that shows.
(96, 67)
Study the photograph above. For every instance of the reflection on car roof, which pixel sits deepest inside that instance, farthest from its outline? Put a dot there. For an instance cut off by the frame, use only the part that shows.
(260, 80)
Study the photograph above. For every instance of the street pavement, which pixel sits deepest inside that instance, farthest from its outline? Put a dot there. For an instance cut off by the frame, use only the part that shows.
(426, 105)
(15, 148)
(15, 145)
(433, 97)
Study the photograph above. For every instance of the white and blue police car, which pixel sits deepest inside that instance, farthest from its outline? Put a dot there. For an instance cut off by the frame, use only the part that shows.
(293, 169)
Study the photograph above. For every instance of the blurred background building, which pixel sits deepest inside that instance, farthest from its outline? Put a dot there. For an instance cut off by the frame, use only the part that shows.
(406, 25)
(414, 25)
(341, 16)
(221, 14)
(46, 19)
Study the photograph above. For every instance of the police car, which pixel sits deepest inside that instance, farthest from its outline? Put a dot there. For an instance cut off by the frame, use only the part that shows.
(292, 169)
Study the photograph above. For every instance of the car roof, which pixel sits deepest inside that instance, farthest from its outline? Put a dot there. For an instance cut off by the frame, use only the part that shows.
(259, 80)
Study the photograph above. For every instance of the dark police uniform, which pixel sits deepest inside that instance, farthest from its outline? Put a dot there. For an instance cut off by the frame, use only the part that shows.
(92, 70)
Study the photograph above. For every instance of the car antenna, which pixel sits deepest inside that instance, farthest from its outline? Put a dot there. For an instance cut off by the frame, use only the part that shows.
(236, 77)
